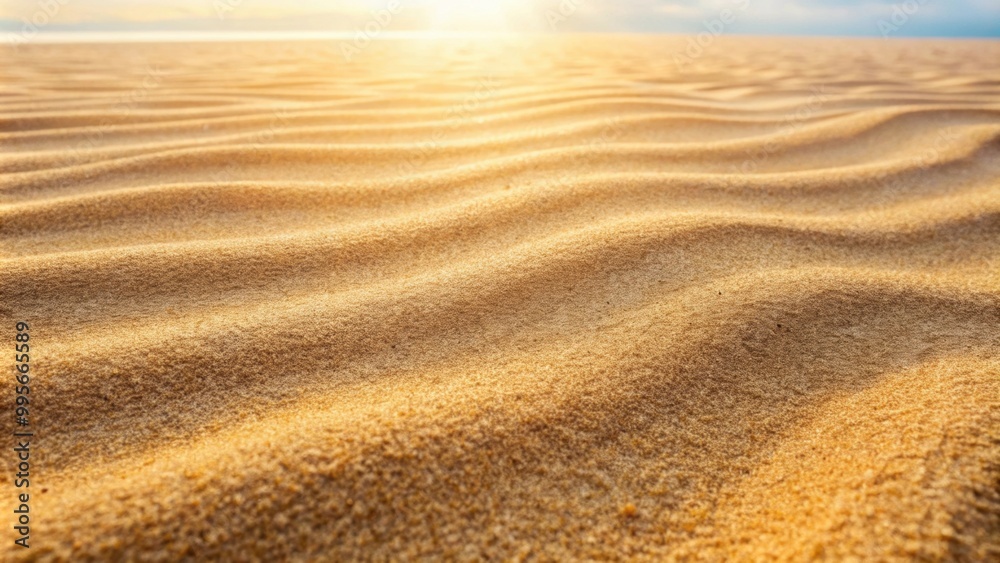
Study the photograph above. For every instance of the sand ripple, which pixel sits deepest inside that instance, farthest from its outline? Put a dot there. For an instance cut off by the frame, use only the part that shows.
(540, 298)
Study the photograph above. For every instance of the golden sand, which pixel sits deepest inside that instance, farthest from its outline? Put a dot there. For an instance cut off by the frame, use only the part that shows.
(551, 299)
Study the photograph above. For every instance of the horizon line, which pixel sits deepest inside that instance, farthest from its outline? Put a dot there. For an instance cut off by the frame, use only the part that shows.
(96, 36)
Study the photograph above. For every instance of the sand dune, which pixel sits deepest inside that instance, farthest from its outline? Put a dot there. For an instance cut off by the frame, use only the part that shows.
(545, 299)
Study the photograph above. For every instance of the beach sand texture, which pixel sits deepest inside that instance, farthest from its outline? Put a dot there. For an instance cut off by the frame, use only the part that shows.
(552, 299)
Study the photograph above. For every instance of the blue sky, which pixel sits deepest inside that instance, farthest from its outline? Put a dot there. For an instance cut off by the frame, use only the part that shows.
(899, 18)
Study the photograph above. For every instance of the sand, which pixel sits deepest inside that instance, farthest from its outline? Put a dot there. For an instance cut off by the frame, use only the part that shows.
(547, 299)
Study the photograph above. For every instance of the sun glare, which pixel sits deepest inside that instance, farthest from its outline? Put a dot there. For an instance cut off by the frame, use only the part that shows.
(466, 15)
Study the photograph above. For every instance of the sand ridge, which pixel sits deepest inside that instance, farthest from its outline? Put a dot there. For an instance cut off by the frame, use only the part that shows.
(524, 298)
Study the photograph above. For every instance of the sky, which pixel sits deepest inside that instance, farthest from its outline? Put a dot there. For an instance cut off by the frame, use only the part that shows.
(880, 18)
